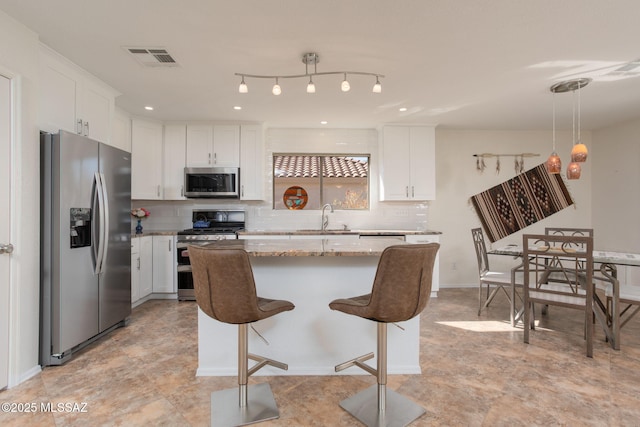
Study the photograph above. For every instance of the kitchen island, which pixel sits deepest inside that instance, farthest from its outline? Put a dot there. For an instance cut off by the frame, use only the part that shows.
(312, 338)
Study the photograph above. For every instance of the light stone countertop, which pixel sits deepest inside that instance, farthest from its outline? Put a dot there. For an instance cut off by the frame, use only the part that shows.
(310, 247)
(362, 232)
(319, 233)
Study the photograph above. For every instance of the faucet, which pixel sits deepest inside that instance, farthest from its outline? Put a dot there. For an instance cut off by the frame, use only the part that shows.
(325, 218)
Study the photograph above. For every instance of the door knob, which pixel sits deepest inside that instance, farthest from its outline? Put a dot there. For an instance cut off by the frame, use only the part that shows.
(6, 249)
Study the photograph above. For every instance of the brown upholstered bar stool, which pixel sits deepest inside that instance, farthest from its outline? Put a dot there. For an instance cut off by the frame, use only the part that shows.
(225, 290)
(401, 290)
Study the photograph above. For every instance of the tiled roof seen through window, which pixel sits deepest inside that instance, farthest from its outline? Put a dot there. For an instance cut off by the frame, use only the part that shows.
(309, 167)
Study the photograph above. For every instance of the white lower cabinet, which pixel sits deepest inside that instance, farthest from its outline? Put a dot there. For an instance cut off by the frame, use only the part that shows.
(141, 268)
(164, 264)
(429, 238)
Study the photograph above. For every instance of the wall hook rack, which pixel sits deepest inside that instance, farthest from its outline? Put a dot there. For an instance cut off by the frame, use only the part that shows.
(518, 160)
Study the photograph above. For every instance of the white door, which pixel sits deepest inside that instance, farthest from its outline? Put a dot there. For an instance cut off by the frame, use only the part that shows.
(5, 224)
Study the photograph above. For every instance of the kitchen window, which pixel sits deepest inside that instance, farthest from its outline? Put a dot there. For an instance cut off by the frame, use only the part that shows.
(308, 181)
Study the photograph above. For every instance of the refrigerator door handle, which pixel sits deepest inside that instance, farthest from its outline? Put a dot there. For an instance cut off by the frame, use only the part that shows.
(105, 223)
(100, 250)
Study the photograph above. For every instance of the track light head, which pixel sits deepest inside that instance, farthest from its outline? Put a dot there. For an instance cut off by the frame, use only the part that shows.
(377, 88)
(243, 86)
(345, 86)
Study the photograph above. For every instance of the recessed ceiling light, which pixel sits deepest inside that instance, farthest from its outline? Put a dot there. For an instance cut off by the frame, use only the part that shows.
(148, 107)
(237, 107)
(402, 109)
(324, 122)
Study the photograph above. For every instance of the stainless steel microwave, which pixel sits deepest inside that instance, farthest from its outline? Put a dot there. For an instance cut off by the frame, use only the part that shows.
(212, 183)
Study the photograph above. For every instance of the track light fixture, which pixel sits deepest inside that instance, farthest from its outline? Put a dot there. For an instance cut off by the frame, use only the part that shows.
(311, 59)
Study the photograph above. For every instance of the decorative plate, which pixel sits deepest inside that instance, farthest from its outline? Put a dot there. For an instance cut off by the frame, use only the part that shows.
(295, 198)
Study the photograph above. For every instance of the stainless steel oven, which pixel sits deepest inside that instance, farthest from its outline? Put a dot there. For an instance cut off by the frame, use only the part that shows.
(208, 226)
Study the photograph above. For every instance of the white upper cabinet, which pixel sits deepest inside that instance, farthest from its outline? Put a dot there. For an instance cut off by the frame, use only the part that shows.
(407, 163)
(121, 134)
(146, 160)
(209, 145)
(175, 145)
(73, 100)
(251, 162)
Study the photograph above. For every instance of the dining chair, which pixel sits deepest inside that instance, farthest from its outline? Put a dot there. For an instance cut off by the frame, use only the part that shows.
(494, 281)
(569, 258)
(622, 302)
(564, 231)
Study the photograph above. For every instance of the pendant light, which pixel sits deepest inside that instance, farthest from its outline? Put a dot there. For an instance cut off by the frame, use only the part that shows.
(574, 169)
(345, 86)
(579, 152)
(554, 164)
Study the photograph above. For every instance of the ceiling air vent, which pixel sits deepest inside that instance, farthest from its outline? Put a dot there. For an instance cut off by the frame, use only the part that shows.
(152, 57)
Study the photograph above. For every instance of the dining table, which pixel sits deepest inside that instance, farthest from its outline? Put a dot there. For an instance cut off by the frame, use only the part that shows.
(607, 262)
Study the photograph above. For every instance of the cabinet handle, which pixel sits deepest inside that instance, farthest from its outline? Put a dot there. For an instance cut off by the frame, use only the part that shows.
(406, 191)
(209, 158)
(86, 127)
(413, 193)
(242, 190)
(79, 126)
(138, 263)
(215, 158)
(169, 245)
(182, 190)
(158, 191)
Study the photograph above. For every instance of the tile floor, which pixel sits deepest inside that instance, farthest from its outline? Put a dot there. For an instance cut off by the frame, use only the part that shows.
(476, 372)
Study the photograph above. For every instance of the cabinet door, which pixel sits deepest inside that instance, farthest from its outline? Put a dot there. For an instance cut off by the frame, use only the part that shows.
(96, 112)
(251, 163)
(135, 269)
(199, 146)
(226, 146)
(175, 145)
(121, 134)
(164, 264)
(422, 156)
(395, 175)
(430, 238)
(59, 92)
(146, 160)
(146, 266)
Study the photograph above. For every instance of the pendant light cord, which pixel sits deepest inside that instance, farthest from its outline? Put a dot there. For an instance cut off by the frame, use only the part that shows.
(579, 112)
(554, 121)
(573, 124)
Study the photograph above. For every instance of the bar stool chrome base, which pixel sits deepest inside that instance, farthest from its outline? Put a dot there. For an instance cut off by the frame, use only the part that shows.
(399, 411)
(226, 412)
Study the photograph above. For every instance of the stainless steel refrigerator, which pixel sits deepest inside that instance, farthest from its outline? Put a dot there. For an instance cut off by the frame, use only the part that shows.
(85, 243)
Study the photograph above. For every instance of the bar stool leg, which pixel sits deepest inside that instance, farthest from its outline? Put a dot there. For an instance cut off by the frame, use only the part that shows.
(376, 406)
(382, 367)
(247, 404)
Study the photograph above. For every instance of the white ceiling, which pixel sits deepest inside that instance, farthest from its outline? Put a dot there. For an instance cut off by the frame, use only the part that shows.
(464, 64)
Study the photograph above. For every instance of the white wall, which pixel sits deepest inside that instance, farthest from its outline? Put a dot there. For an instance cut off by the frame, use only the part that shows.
(616, 178)
(19, 59)
(457, 180)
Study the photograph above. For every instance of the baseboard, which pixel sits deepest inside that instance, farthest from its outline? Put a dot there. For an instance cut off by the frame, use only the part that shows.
(25, 376)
